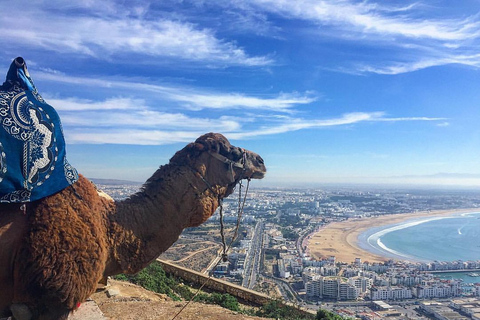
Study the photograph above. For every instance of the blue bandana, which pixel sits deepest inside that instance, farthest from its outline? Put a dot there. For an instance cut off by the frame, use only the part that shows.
(33, 164)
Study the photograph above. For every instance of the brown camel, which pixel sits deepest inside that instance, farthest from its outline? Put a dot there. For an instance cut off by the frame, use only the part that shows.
(53, 255)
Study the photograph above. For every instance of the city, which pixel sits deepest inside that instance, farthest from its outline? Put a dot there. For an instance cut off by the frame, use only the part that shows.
(270, 254)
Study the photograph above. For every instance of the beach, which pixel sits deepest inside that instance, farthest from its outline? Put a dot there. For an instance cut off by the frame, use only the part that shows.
(341, 239)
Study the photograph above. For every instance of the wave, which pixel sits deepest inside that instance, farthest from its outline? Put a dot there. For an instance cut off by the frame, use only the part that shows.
(404, 225)
(469, 214)
(394, 252)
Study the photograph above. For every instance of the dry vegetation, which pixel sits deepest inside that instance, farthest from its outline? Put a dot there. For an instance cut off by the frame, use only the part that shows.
(197, 248)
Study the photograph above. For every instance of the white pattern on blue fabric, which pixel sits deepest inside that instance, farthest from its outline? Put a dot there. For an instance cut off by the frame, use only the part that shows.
(32, 148)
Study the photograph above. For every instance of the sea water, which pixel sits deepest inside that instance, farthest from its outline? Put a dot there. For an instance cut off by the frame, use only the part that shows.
(447, 238)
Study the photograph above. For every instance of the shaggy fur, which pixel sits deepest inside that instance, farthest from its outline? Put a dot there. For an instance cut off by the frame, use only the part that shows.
(66, 242)
(52, 258)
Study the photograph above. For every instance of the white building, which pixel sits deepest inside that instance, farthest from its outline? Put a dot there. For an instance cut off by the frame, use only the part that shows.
(361, 283)
(329, 271)
(390, 293)
(282, 271)
(331, 288)
(435, 291)
(314, 288)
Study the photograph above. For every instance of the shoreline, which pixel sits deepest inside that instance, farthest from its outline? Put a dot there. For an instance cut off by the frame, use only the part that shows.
(341, 239)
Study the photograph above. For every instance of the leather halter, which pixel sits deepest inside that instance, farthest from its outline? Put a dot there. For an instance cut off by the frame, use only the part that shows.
(224, 257)
(240, 164)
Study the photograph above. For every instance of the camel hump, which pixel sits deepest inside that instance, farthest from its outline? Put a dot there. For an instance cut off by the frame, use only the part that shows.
(33, 162)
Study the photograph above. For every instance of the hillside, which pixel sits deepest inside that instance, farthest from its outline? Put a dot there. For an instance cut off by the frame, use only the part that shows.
(126, 301)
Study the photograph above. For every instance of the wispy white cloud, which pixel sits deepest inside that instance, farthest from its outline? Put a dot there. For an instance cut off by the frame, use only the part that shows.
(367, 18)
(281, 103)
(131, 136)
(295, 124)
(133, 121)
(443, 124)
(94, 34)
(381, 119)
(132, 113)
(415, 39)
(79, 104)
(189, 98)
(426, 62)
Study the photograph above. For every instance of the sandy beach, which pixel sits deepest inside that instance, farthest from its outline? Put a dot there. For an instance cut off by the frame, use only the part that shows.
(340, 239)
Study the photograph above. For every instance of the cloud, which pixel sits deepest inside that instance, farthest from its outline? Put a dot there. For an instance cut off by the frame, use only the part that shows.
(404, 67)
(295, 124)
(131, 113)
(443, 124)
(371, 18)
(282, 103)
(76, 104)
(134, 121)
(102, 36)
(414, 42)
(131, 136)
(188, 98)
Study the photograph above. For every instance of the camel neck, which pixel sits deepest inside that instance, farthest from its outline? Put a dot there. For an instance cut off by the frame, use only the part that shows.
(150, 221)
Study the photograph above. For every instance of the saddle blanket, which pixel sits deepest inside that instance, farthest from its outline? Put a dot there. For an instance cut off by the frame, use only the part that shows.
(33, 162)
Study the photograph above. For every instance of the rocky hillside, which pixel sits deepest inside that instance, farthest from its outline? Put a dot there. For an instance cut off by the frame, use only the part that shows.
(126, 301)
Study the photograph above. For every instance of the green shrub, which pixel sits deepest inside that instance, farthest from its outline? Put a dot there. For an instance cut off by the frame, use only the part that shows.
(153, 278)
(278, 310)
(327, 315)
(225, 300)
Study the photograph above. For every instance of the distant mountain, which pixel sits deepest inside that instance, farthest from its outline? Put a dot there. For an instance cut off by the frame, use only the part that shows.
(444, 175)
(456, 175)
(114, 182)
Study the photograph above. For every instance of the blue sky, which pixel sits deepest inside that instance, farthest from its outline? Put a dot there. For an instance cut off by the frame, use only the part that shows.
(336, 91)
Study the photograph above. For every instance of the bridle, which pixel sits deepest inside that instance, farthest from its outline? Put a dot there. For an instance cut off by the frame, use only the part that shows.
(231, 164)
(241, 204)
(242, 163)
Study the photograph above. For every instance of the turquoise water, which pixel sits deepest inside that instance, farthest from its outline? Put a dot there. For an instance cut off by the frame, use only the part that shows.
(450, 238)
(458, 275)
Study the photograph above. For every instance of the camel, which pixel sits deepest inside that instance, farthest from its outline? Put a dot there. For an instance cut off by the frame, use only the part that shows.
(55, 251)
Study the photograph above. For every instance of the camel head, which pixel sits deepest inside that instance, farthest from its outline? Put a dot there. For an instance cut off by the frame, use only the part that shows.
(219, 164)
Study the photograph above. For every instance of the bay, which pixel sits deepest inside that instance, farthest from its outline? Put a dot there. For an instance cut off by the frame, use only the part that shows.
(448, 238)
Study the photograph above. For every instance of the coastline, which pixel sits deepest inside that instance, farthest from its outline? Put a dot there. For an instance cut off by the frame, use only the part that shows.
(341, 239)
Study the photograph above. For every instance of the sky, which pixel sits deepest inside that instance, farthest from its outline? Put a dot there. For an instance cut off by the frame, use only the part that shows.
(326, 91)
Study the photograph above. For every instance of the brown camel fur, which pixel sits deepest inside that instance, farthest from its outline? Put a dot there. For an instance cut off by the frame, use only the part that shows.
(52, 258)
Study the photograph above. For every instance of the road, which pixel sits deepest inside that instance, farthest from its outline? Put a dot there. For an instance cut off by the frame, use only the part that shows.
(252, 260)
(288, 293)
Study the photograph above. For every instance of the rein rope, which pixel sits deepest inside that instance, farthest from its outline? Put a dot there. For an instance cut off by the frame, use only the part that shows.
(241, 205)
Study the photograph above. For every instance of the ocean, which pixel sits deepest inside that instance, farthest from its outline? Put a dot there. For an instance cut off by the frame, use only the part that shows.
(449, 238)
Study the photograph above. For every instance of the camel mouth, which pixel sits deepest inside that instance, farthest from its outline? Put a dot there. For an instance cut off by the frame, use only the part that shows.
(257, 172)
(256, 166)
(258, 175)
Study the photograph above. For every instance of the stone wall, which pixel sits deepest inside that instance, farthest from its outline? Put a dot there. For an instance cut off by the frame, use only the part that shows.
(216, 284)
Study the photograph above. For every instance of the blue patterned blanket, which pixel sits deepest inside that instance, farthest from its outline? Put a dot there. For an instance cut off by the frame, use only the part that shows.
(33, 163)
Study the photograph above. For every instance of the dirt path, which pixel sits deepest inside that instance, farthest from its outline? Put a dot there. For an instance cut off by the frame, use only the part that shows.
(195, 253)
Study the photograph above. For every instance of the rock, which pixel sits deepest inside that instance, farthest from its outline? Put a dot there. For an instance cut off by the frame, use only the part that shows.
(113, 292)
(88, 311)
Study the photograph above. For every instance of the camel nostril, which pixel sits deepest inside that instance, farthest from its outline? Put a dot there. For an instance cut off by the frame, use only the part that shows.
(260, 160)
